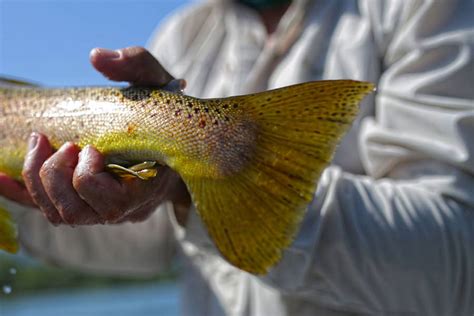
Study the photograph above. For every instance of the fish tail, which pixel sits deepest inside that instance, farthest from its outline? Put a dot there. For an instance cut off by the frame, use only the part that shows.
(260, 206)
(8, 232)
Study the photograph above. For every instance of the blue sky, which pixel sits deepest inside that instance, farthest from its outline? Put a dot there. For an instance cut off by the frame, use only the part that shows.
(48, 41)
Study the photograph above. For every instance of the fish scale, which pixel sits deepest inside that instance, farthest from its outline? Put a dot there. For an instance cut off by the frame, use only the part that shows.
(251, 163)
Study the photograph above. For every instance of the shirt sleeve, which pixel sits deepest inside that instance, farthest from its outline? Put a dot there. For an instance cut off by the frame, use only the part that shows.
(139, 249)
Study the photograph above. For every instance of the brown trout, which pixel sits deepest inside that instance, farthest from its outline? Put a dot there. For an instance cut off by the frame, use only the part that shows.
(251, 163)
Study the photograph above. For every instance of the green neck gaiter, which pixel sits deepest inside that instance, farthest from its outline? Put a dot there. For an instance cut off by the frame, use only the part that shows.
(263, 4)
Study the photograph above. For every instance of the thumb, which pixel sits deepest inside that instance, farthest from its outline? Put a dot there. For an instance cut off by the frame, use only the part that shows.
(132, 64)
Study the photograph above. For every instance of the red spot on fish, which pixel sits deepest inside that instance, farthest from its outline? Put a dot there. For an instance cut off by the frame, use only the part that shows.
(131, 128)
(202, 123)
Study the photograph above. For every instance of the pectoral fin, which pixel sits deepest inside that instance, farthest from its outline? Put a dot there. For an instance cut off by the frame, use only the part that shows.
(8, 233)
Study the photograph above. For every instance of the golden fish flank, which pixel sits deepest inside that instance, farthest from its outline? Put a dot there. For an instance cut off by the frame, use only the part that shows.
(251, 163)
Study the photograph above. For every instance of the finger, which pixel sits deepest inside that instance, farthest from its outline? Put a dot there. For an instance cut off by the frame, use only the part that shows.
(14, 191)
(139, 215)
(112, 198)
(39, 150)
(167, 186)
(133, 64)
(56, 176)
(97, 187)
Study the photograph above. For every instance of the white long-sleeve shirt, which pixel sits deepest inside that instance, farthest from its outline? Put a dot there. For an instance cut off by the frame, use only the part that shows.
(391, 227)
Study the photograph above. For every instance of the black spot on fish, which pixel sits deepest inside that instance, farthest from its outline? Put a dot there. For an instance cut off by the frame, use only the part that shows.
(206, 110)
(196, 110)
(135, 94)
(190, 104)
(235, 105)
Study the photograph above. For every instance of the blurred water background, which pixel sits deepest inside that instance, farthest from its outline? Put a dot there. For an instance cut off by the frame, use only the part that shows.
(48, 42)
(31, 288)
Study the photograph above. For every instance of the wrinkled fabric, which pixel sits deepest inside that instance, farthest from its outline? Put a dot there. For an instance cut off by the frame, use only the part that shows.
(391, 227)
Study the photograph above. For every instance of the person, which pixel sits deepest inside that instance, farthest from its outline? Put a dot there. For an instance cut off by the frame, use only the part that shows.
(391, 228)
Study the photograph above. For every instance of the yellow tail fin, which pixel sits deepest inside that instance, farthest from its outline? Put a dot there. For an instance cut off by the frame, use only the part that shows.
(260, 206)
(8, 233)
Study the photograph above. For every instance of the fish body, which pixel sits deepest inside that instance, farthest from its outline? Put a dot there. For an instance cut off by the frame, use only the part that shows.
(251, 163)
(127, 125)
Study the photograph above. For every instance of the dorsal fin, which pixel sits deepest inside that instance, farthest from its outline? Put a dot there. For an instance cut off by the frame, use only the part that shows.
(9, 82)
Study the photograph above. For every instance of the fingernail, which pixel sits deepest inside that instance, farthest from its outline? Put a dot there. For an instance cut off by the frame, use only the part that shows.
(108, 53)
(182, 84)
(32, 141)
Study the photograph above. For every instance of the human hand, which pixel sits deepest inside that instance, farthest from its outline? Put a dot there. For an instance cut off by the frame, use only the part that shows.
(70, 186)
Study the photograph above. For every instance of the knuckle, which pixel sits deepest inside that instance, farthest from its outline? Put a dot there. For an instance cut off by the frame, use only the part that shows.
(137, 51)
(82, 182)
(26, 174)
(134, 53)
(140, 57)
(46, 170)
(29, 171)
